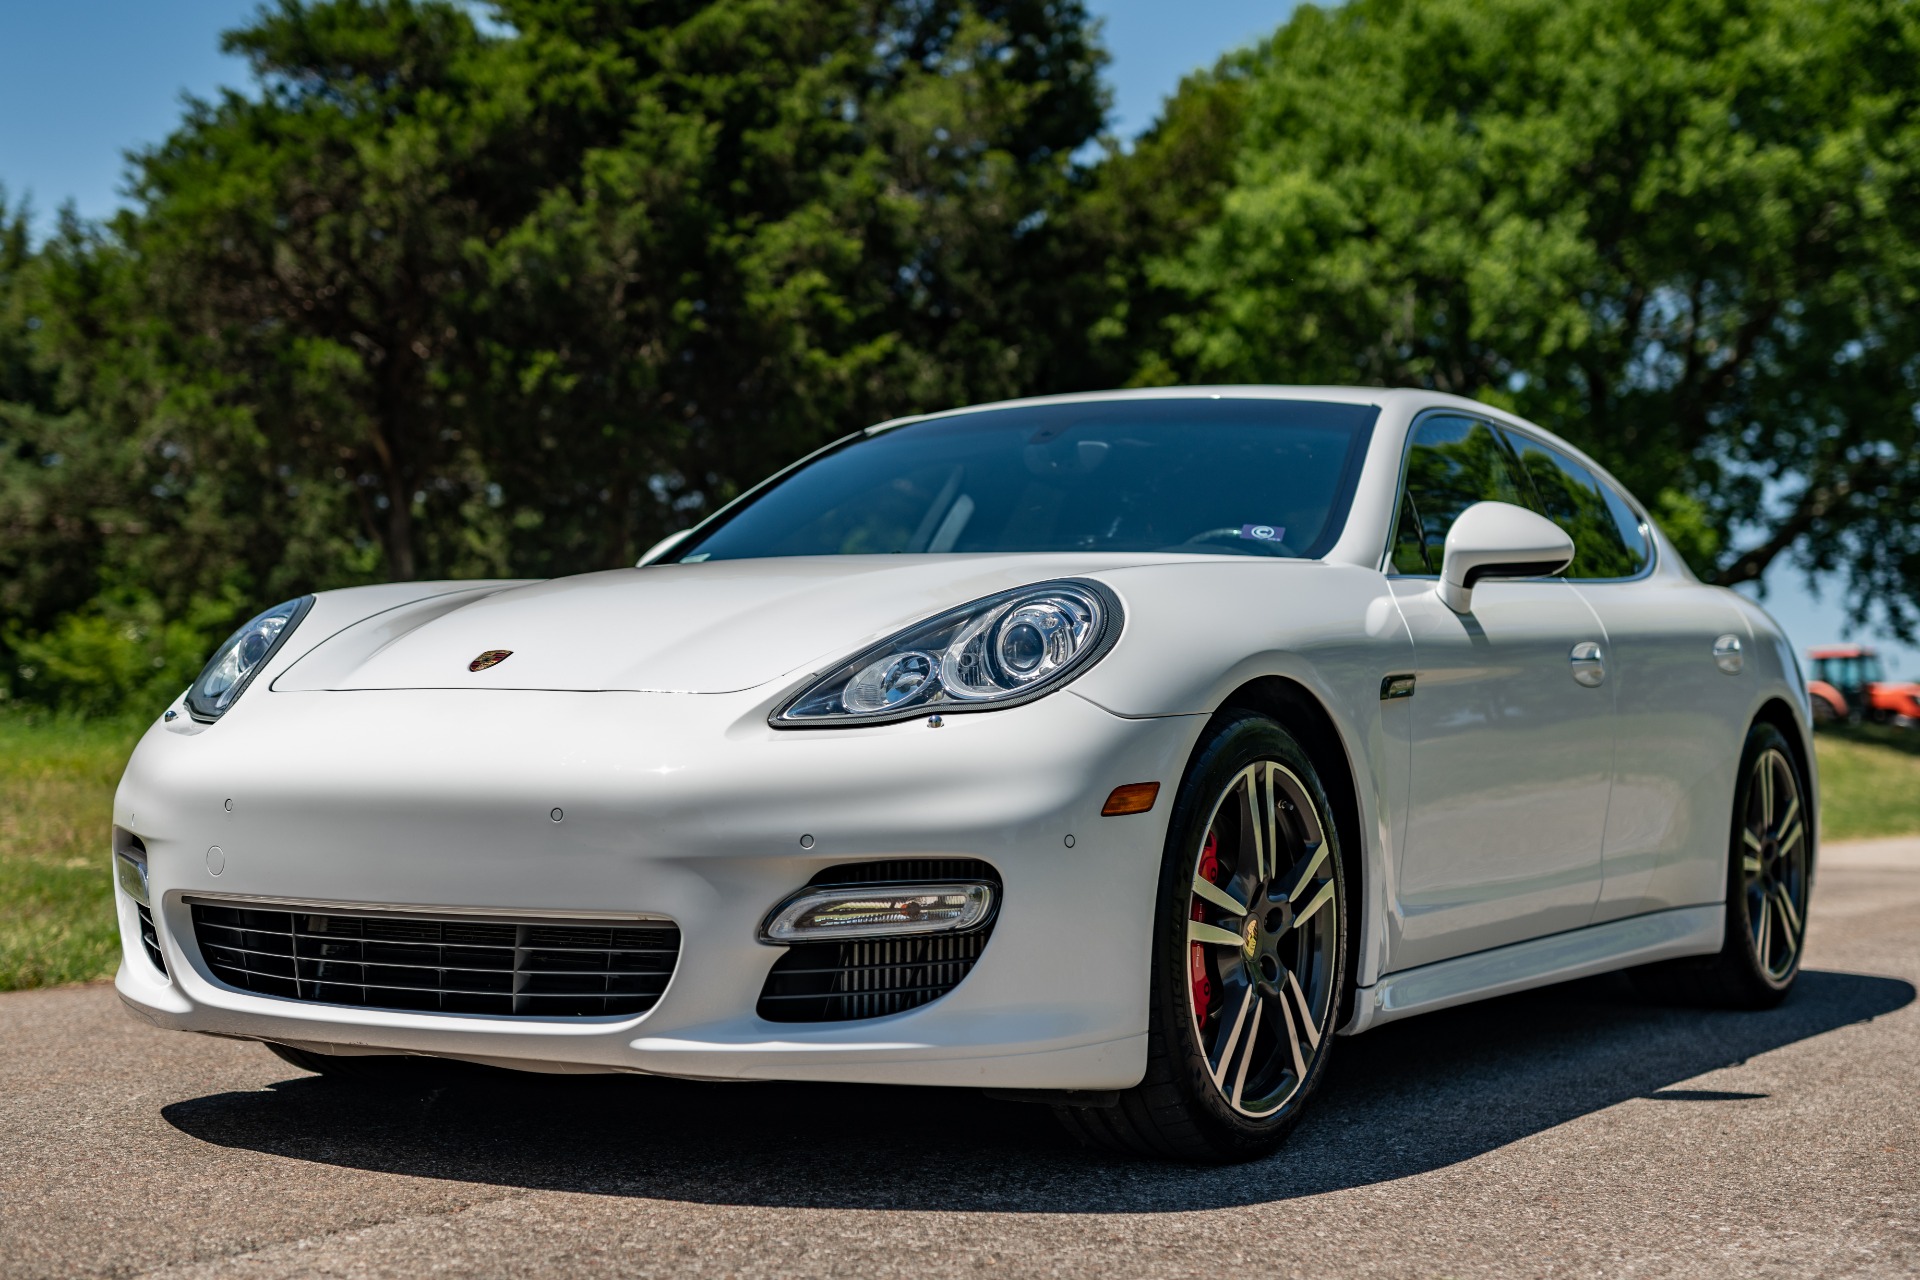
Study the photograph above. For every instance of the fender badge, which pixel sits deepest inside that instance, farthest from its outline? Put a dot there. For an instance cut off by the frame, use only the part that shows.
(491, 658)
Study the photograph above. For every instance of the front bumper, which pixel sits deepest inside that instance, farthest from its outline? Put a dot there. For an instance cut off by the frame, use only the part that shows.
(682, 806)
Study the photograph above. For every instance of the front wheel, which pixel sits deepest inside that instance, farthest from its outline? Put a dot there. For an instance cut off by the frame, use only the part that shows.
(1249, 956)
(1769, 881)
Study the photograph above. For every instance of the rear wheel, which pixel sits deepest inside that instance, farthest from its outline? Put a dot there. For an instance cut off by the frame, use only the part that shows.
(1769, 881)
(1249, 957)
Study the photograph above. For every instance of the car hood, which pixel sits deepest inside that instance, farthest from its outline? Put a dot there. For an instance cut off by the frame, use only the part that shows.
(715, 627)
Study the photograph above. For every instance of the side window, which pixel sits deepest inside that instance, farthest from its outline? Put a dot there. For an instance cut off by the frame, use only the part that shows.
(1454, 462)
(1409, 550)
(1632, 532)
(1607, 539)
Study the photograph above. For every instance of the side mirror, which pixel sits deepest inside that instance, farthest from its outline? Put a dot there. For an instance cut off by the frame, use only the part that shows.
(661, 548)
(1499, 540)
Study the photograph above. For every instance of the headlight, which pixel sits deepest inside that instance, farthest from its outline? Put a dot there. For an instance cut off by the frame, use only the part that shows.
(1006, 649)
(235, 663)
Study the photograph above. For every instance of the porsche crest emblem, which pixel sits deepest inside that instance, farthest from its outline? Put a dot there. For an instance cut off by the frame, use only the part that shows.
(491, 658)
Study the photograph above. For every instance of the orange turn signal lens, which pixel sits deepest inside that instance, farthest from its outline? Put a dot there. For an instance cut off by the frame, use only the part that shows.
(1135, 797)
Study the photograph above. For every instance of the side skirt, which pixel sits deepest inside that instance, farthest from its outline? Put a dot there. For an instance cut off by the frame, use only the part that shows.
(1538, 962)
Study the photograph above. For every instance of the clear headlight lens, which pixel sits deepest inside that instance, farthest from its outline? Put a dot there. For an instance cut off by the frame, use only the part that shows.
(1005, 649)
(235, 663)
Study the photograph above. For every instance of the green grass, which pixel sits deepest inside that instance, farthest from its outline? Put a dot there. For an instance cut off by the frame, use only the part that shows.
(56, 797)
(56, 821)
(1869, 781)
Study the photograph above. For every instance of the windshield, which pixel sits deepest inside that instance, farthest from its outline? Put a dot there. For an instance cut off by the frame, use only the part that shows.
(1226, 477)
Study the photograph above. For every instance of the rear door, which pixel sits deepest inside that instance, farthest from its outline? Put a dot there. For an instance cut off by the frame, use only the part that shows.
(1511, 756)
(1679, 719)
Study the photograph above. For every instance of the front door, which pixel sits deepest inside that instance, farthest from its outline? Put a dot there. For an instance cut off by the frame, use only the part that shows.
(1511, 739)
(1512, 763)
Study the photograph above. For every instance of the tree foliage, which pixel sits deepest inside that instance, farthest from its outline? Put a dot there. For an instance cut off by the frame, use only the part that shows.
(454, 290)
(1686, 235)
(434, 300)
(787, 219)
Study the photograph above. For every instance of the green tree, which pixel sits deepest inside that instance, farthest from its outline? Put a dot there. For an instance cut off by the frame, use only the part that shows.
(444, 299)
(778, 220)
(114, 573)
(1686, 235)
(57, 478)
(435, 301)
(1139, 207)
(299, 266)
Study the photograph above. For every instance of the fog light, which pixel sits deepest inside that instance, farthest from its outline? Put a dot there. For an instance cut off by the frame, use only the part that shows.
(132, 875)
(879, 911)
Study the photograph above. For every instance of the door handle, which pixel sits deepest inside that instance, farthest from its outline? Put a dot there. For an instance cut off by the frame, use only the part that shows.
(1589, 665)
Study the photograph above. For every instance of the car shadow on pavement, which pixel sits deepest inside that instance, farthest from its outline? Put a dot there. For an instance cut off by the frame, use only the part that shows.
(1402, 1100)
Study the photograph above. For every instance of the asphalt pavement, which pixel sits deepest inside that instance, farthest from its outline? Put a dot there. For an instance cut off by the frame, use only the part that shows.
(1575, 1131)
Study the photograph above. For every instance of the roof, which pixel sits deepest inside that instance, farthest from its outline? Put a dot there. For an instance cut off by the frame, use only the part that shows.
(1381, 396)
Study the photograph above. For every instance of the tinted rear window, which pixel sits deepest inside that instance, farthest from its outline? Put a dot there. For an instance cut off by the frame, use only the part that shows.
(1607, 539)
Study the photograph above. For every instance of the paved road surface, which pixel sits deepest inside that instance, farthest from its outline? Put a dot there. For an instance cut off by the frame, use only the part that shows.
(1576, 1132)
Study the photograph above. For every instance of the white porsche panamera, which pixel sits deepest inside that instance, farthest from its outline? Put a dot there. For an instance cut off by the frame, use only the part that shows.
(1115, 751)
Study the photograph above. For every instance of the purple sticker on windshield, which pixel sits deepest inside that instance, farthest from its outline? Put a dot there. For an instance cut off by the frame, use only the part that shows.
(1263, 533)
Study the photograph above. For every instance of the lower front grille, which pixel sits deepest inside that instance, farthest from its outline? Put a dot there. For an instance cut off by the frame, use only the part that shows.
(439, 964)
(150, 937)
(847, 981)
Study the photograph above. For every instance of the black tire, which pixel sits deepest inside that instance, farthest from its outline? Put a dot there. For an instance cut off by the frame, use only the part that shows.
(1211, 1095)
(378, 1071)
(1770, 862)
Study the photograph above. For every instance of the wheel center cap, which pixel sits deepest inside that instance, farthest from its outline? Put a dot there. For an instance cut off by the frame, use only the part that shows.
(1250, 935)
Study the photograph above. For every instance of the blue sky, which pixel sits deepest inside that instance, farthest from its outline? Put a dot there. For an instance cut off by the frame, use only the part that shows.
(82, 81)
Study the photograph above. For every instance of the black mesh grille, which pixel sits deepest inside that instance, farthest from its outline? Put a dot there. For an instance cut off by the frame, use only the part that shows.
(846, 981)
(528, 969)
(908, 871)
(149, 937)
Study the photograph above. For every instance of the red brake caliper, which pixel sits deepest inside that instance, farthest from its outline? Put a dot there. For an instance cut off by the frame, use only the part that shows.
(1202, 980)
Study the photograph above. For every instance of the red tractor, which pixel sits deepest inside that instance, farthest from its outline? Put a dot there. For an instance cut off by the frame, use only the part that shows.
(1849, 684)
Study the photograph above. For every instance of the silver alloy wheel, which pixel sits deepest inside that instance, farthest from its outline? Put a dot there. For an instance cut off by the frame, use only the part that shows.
(1263, 946)
(1773, 864)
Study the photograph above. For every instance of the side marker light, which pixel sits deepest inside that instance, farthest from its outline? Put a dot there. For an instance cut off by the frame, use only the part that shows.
(1135, 797)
